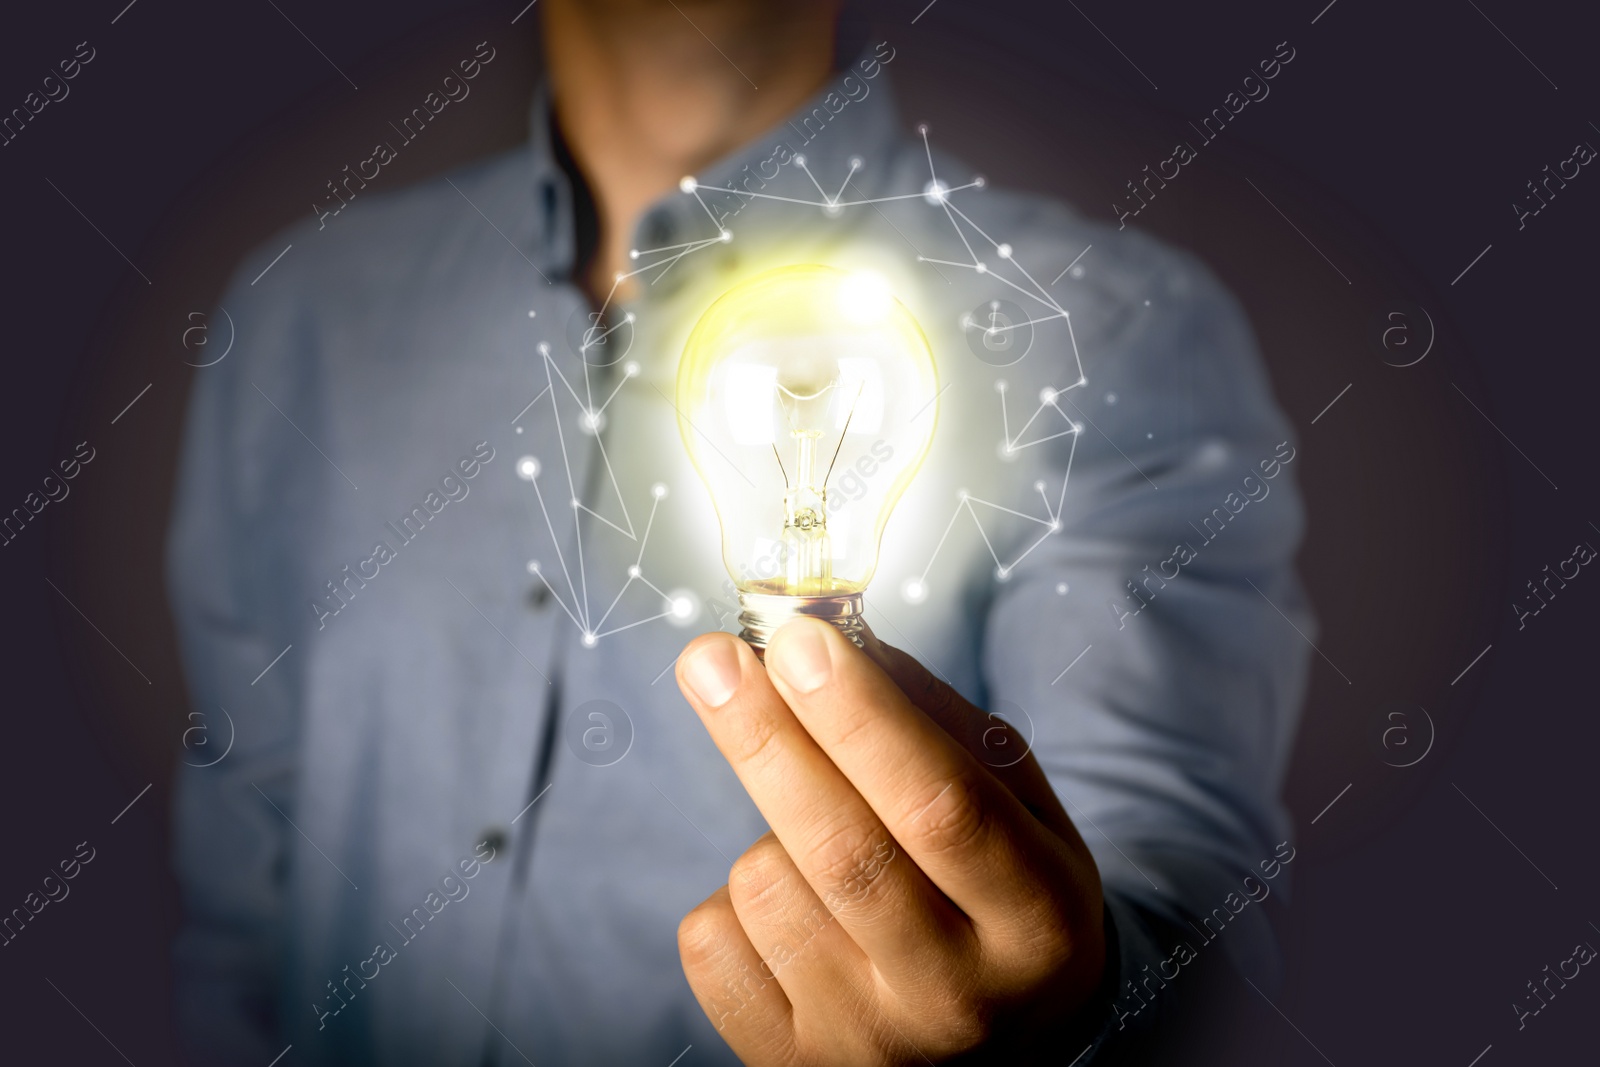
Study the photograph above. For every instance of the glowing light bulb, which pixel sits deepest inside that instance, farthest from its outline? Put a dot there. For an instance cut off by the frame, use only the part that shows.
(807, 400)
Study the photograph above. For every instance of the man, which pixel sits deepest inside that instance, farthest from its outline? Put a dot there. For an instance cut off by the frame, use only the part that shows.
(437, 543)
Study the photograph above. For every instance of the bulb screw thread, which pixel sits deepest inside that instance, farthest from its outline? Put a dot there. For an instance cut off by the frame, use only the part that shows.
(761, 614)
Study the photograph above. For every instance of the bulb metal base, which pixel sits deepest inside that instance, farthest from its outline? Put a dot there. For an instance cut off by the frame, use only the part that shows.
(762, 613)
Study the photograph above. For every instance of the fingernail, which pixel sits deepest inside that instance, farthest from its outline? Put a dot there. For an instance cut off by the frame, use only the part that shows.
(799, 655)
(712, 672)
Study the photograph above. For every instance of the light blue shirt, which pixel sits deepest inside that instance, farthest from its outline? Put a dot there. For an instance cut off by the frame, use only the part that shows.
(1099, 548)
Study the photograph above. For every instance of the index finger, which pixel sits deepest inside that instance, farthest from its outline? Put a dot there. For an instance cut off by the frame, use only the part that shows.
(888, 907)
(970, 834)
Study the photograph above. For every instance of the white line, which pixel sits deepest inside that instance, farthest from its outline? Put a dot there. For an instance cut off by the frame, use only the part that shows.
(1513, 44)
(491, 1023)
(99, 231)
(532, 802)
(713, 44)
(86, 1019)
(1324, 11)
(1290, 1021)
(1073, 664)
(1113, 844)
(1474, 263)
(131, 803)
(524, 11)
(269, 266)
(1086, 248)
(665, 669)
(313, 44)
(1479, 1056)
(1302, 233)
(280, 1055)
(1469, 666)
(924, 11)
(302, 433)
(302, 833)
(132, 402)
(930, 804)
(1302, 633)
(1502, 433)
(501, 232)
(1502, 833)
(121, 13)
(273, 664)
(685, 1052)
(1080, 1056)
(1113, 44)
(1332, 402)
(532, 402)
(99, 631)
(1331, 803)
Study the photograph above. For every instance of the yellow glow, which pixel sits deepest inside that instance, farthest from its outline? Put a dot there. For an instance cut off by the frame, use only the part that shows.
(806, 399)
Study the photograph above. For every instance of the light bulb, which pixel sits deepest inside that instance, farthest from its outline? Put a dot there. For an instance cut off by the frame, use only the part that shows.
(807, 401)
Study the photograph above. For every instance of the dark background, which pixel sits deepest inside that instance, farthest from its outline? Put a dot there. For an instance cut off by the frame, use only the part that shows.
(1396, 142)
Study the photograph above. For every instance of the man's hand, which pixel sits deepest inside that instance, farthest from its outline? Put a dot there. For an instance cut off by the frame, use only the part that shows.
(910, 904)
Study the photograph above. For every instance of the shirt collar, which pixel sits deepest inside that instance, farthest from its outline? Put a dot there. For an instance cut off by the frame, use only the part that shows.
(836, 146)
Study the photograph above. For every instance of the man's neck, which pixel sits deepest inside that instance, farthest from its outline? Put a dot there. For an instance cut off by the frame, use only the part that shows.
(643, 97)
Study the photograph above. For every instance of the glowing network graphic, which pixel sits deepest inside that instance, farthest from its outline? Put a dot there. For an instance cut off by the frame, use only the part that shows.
(571, 588)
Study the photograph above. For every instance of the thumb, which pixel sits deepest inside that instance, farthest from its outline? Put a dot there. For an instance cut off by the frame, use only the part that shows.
(998, 745)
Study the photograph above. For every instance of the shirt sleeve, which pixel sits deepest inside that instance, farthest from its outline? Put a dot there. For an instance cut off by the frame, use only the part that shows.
(233, 790)
(1156, 650)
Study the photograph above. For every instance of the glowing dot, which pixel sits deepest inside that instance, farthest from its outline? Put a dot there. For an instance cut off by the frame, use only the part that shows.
(631, 369)
(982, 268)
(590, 640)
(914, 590)
(1055, 525)
(628, 317)
(833, 211)
(1002, 573)
(519, 429)
(1111, 398)
(1038, 486)
(800, 160)
(1076, 272)
(980, 181)
(533, 566)
(726, 236)
(1006, 450)
(575, 504)
(923, 129)
(1061, 588)
(1149, 436)
(962, 495)
(1000, 385)
(617, 277)
(682, 607)
(688, 185)
(1005, 251)
(855, 162)
(1147, 303)
(633, 253)
(634, 572)
(1047, 395)
(658, 491)
(527, 468)
(533, 314)
(935, 192)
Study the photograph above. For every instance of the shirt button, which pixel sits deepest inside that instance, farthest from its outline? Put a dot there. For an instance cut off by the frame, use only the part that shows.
(658, 230)
(494, 839)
